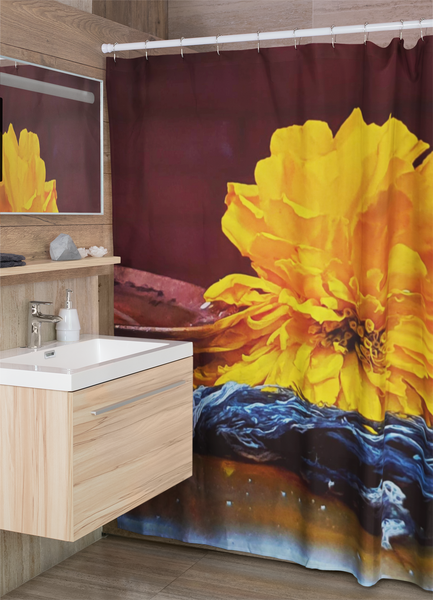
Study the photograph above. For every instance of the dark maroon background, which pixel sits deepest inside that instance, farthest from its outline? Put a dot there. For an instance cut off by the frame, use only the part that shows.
(182, 128)
(68, 131)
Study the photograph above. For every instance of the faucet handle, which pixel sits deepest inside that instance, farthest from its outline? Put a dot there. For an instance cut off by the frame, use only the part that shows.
(34, 304)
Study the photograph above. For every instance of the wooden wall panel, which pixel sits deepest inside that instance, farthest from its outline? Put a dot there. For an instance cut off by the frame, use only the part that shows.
(35, 243)
(353, 12)
(85, 5)
(61, 32)
(22, 557)
(14, 301)
(62, 36)
(196, 18)
(106, 302)
(146, 15)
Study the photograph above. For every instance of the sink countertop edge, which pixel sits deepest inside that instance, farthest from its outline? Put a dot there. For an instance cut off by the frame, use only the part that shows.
(98, 374)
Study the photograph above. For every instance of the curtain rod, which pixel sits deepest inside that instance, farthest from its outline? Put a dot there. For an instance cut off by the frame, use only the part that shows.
(262, 36)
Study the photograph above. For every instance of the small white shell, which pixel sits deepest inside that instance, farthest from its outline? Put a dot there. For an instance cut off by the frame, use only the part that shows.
(83, 252)
(97, 251)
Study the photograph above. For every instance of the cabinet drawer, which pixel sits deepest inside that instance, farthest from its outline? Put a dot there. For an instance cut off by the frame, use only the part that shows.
(132, 440)
(73, 461)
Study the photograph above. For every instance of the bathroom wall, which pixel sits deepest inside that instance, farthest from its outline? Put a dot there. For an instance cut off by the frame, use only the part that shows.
(145, 15)
(191, 18)
(56, 35)
(85, 5)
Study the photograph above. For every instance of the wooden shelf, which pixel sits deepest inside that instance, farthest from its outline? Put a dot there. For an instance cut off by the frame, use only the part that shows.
(48, 266)
(49, 270)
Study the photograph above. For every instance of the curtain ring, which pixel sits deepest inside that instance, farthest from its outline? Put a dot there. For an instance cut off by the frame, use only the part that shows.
(217, 45)
(401, 29)
(333, 36)
(145, 48)
(258, 41)
(181, 47)
(114, 51)
(420, 26)
(294, 35)
(365, 33)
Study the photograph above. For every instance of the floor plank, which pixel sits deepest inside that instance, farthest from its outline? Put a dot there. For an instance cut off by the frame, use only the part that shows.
(118, 568)
(111, 569)
(220, 576)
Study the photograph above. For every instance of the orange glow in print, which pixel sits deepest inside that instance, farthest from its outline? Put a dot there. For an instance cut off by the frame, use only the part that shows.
(339, 230)
(24, 188)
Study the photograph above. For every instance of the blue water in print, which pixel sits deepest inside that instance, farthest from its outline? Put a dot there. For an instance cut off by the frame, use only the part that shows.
(385, 477)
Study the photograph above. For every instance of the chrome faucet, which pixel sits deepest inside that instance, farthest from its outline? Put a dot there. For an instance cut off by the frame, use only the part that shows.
(36, 318)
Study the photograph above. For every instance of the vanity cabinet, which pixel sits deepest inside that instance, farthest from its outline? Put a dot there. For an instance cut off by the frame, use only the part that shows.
(72, 461)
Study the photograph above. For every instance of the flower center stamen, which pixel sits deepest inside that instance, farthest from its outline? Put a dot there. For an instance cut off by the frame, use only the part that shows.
(352, 334)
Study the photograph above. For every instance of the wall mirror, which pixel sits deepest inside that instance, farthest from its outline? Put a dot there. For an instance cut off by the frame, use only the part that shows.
(52, 141)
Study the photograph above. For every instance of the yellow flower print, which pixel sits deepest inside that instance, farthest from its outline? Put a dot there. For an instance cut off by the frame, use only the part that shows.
(340, 232)
(24, 188)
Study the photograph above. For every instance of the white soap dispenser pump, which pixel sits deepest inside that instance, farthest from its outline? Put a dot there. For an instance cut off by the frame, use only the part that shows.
(68, 329)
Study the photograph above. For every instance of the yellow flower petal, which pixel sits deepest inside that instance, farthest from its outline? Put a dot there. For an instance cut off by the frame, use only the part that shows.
(24, 188)
(339, 230)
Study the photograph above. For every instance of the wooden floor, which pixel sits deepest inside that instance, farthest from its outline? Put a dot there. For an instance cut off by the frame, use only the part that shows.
(118, 568)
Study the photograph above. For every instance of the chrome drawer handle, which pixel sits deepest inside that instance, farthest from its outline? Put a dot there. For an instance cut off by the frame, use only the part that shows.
(136, 398)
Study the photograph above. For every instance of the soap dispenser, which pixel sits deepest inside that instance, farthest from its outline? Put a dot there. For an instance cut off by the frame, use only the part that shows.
(68, 330)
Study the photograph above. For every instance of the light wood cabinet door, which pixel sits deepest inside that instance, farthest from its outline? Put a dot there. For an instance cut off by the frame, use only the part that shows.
(73, 461)
(36, 462)
(132, 440)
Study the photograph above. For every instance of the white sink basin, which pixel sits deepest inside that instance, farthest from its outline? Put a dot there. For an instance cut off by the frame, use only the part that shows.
(70, 366)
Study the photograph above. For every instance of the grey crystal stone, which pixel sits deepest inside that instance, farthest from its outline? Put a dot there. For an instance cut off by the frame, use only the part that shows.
(63, 248)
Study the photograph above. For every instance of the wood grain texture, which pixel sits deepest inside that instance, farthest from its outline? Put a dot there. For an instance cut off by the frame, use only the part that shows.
(106, 302)
(35, 244)
(115, 568)
(36, 462)
(220, 576)
(146, 15)
(52, 34)
(64, 471)
(85, 5)
(37, 57)
(60, 31)
(197, 18)
(354, 12)
(47, 276)
(14, 301)
(48, 265)
(130, 454)
(23, 557)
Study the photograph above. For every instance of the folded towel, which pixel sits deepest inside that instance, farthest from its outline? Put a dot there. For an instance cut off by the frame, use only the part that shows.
(5, 257)
(11, 263)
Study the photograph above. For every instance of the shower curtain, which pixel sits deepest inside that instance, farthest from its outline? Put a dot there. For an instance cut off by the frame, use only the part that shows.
(276, 208)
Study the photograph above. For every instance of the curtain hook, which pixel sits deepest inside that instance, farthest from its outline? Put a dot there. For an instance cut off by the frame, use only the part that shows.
(401, 29)
(181, 47)
(294, 35)
(365, 33)
(420, 25)
(217, 45)
(145, 48)
(258, 41)
(114, 51)
(333, 36)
